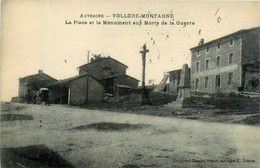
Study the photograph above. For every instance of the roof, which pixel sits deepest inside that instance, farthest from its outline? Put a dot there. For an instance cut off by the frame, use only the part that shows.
(64, 81)
(68, 80)
(36, 75)
(116, 76)
(96, 61)
(177, 70)
(124, 86)
(243, 31)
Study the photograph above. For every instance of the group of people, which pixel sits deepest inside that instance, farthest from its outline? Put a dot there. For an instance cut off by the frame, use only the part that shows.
(41, 96)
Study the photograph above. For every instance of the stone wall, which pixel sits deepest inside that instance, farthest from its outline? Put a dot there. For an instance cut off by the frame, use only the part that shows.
(252, 81)
(156, 98)
(78, 91)
(251, 46)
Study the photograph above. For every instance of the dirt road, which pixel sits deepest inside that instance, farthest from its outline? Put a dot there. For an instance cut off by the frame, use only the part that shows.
(91, 138)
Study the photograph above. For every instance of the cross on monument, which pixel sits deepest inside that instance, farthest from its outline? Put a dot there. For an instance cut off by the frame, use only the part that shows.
(143, 52)
(145, 96)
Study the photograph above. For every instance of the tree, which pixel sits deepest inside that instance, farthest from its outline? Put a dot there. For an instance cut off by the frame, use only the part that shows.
(97, 57)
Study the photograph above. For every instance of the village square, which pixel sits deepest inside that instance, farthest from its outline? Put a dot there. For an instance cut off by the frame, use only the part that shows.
(203, 115)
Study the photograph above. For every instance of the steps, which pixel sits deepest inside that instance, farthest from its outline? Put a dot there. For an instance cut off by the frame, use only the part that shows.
(162, 84)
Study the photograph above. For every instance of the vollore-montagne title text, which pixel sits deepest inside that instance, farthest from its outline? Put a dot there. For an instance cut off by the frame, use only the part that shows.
(129, 19)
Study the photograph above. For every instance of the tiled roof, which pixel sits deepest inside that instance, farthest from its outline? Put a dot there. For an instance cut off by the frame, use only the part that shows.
(96, 61)
(229, 35)
(66, 81)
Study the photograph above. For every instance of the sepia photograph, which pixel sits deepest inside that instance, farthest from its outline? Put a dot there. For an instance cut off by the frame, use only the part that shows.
(130, 84)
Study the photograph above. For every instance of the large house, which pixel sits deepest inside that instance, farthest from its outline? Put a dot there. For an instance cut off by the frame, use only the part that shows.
(105, 75)
(29, 85)
(227, 64)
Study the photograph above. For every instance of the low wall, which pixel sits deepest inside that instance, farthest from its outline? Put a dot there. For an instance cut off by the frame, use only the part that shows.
(156, 98)
(230, 102)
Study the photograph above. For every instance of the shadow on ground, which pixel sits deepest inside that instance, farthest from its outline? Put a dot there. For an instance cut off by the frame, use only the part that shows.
(32, 157)
(15, 117)
(107, 126)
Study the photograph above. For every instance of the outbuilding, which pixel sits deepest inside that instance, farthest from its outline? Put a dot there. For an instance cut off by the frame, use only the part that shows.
(77, 90)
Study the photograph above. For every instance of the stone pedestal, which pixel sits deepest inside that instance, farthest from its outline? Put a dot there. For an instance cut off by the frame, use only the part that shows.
(183, 93)
(184, 89)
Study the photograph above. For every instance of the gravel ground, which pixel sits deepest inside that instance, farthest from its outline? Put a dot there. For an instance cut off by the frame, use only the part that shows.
(92, 138)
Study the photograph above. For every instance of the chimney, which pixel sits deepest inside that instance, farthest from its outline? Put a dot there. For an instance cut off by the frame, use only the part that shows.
(201, 41)
(40, 71)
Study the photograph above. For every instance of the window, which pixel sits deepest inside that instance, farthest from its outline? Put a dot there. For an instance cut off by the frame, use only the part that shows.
(197, 66)
(230, 59)
(218, 61)
(198, 52)
(206, 82)
(217, 80)
(207, 64)
(231, 42)
(106, 68)
(207, 49)
(218, 46)
(230, 78)
(197, 84)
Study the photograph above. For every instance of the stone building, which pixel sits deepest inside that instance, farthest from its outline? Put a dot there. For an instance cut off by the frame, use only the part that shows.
(76, 90)
(95, 79)
(174, 80)
(227, 64)
(170, 82)
(32, 83)
(112, 74)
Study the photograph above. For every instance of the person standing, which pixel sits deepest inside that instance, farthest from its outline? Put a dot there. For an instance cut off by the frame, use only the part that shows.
(45, 97)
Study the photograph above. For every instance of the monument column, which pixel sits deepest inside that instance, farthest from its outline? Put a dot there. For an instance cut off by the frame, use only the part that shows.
(184, 86)
(145, 95)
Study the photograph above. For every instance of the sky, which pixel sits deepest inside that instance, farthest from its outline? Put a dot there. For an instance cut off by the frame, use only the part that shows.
(35, 36)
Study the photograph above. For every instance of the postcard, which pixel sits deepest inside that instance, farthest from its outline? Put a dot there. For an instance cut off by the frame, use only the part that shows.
(130, 84)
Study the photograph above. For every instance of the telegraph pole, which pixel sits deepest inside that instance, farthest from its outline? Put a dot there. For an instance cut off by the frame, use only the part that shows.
(87, 77)
(145, 98)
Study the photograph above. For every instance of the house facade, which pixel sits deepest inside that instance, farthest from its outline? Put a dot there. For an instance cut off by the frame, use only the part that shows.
(224, 64)
(31, 84)
(112, 75)
(103, 68)
(174, 80)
